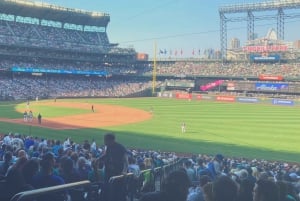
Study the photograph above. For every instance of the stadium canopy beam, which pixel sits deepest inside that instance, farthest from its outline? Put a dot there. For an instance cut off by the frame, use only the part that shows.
(250, 25)
(249, 8)
(223, 35)
(260, 6)
(280, 24)
(263, 17)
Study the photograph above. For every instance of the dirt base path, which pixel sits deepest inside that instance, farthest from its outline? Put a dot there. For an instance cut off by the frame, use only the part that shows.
(103, 115)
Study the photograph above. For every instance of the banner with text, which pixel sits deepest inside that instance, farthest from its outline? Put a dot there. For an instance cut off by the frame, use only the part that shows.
(283, 102)
(263, 58)
(230, 86)
(204, 97)
(265, 48)
(183, 96)
(247, 100)
(165, 94)
(211, 85)
(271, 77)
(271, 86)
(225, 98)
(58, 71)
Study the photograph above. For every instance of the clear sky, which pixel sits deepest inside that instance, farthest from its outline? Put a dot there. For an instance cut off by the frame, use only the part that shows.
(173, 24)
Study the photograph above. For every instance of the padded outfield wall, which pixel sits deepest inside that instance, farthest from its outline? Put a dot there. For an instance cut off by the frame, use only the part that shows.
(229, 98)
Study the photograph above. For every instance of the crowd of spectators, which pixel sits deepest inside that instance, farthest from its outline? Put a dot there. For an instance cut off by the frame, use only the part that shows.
(181, 68)
(114, 68)
(33, 35)
(17, 34)
(240, 179)
(177, 69)
(24, 87)
(203, 177)
(83, 88)
(207, 178)
(200, 178)
(125, 65)
(23, 159)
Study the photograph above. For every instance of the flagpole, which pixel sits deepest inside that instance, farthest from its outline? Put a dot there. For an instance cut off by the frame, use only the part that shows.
(154, 69)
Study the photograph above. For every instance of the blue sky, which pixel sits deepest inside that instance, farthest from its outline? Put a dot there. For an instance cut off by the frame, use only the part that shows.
(172, 24)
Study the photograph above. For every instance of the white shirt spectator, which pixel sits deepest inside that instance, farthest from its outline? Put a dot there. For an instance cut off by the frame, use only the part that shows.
(66, 144)
(43, 143)
(93, 146)
(7, 139)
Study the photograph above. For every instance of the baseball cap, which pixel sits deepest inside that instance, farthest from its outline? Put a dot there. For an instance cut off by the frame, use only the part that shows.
(294, 176)
(219, 157)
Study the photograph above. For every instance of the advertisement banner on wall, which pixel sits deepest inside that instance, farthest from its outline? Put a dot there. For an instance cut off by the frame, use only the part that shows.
(247, 100)
(211, 85)
(271, 86)
(282, 102)
(270, 77)
(265, 48)
(165, 94)
(230, 86)
(199, 97)
(142, 57)
(204, 97)
(225, 98)
(263, 58)
(59, 71)
(183, 96)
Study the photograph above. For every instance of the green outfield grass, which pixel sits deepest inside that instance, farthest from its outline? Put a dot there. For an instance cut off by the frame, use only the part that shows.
(51, 111)
(234, 129)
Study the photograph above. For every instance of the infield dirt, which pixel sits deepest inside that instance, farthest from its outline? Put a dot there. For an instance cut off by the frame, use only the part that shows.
(103, 116)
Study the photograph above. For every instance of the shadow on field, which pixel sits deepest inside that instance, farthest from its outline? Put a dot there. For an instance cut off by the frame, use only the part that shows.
(162, 143)
(204, 147)
(8, 110)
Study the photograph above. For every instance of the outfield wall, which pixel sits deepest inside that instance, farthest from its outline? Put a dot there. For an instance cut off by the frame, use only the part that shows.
(229, 98)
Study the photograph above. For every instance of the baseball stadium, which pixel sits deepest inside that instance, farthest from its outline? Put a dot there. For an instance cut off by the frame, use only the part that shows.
(63, 84)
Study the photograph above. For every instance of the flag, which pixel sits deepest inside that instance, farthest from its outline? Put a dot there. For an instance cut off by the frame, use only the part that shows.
(162, 51)
(181, 52)
(175, 52)
(193, 53)
(199, 51)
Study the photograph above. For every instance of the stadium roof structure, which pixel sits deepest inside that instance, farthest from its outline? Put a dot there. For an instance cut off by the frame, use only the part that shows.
(249, 8)
(41, 10)
(260, 6)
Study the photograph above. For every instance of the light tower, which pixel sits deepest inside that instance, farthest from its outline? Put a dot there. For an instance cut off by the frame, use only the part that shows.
(250, 11)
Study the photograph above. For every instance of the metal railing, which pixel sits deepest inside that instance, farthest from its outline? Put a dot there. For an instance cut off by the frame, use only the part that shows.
(42, 191)
(135, 186)
(132, 185)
